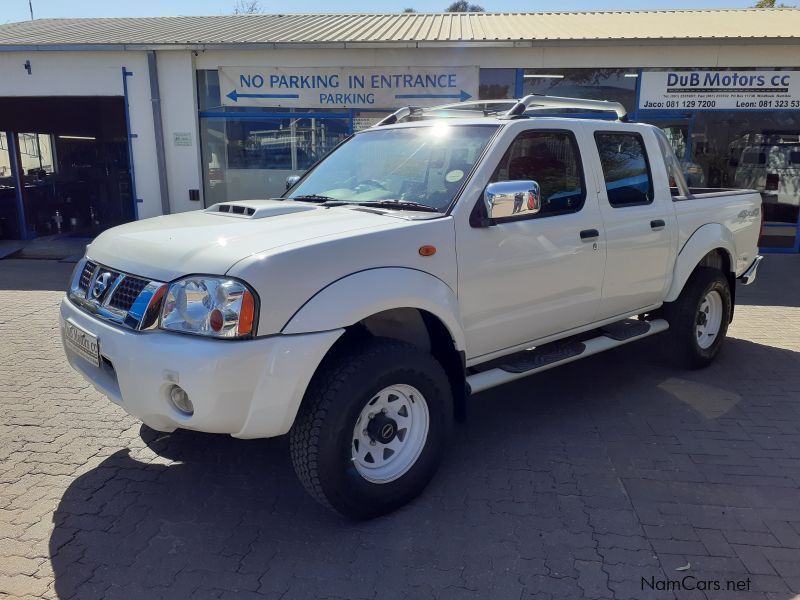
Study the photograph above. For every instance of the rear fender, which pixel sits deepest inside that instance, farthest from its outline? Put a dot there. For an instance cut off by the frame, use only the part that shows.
(709, 237)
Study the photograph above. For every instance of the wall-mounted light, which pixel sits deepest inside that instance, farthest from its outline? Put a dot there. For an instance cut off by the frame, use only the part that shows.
(538, 76)
(76, 137)
(631, 74)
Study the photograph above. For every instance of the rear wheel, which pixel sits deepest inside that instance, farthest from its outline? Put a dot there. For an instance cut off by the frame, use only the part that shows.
(372, 428)
(698, 319)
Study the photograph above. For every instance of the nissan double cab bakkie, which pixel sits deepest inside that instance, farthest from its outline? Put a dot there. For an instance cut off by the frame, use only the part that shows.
(436, 255)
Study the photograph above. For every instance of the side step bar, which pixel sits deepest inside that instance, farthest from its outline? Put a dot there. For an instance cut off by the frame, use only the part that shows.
(554, 354)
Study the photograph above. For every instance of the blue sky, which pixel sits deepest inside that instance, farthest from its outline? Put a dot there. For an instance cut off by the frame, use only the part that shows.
(17, 10)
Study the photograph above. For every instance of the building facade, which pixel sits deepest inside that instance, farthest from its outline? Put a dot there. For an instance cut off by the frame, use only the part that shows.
(107, 120)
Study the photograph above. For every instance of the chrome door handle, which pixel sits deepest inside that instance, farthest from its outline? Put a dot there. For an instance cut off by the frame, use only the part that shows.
(589, 235)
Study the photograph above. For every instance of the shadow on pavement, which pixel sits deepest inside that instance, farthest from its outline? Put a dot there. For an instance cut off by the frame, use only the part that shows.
(39, 275)
(513, 503)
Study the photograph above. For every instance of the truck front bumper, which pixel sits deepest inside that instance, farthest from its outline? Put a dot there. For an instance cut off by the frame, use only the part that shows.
(245, 388)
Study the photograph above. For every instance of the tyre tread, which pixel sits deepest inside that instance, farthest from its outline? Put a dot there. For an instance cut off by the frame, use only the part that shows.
(682, 312)
(345, 363)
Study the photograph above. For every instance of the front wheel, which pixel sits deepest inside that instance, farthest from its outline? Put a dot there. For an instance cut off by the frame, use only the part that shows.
(372, 428)
(698, 319)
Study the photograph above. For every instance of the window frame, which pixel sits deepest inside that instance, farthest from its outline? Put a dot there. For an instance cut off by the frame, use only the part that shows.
(573, 139)
(651, 194)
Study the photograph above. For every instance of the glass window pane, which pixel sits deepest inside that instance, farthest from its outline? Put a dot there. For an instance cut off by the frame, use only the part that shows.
(36, 153)
(246, 158)
(497, 84)
(754, 150)
(552, 160)
(618, 85)
(625, 168)
(208, 89)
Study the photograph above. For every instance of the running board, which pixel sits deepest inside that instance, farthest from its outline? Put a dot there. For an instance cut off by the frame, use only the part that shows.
(554, 354)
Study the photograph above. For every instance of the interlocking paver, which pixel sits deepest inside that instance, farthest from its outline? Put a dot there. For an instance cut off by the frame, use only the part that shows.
(582, 482)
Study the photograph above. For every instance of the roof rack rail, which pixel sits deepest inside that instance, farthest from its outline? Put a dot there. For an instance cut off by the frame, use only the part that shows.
(447, 110)
(397, 115)
(536, 102)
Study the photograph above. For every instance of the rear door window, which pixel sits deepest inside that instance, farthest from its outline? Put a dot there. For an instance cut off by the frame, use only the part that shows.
(626, 169)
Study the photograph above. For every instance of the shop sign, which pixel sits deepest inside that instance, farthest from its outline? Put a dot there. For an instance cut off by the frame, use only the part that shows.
(347, 87)
(719, 90)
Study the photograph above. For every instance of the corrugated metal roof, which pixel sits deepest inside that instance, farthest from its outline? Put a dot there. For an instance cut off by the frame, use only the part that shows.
(412, 28)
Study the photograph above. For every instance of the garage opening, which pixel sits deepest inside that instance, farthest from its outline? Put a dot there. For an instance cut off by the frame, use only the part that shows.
(64, 166)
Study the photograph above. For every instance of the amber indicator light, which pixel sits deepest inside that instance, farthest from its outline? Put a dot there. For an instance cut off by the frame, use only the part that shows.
(427, 250)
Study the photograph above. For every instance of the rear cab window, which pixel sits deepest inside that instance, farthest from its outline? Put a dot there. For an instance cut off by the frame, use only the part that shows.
(626, 169)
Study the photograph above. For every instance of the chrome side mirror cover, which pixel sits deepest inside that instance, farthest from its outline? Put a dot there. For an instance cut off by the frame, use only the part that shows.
(291, 180)
(507, 200)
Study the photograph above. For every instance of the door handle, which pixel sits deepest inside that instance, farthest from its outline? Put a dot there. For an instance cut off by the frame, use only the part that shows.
(589, 235)
(657, 224)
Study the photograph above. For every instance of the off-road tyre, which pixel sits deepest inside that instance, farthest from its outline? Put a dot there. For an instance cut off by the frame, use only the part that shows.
(321, 439)
(681, 346)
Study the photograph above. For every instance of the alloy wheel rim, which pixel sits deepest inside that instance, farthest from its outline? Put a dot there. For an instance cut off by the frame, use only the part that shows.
(390, 433)
(708, 322)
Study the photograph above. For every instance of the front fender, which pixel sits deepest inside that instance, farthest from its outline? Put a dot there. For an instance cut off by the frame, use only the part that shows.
(363, 294)
(707, 238)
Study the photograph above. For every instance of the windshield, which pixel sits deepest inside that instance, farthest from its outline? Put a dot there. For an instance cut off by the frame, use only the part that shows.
(416, 165)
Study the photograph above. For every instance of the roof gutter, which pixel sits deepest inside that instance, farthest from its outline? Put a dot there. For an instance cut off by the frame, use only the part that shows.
(199, 47)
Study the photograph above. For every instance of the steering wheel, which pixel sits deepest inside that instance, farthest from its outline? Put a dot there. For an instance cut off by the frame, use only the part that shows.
(371, 183)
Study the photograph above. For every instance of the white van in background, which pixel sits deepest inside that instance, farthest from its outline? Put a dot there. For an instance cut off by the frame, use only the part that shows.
(774, 170)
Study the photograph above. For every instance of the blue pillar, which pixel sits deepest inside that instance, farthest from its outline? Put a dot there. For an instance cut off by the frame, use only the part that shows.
(18, 183)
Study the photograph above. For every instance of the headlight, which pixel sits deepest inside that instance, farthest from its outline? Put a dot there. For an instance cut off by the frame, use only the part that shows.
(216, 307)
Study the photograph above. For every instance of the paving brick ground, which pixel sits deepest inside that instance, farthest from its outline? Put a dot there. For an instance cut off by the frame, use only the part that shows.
(582, 482)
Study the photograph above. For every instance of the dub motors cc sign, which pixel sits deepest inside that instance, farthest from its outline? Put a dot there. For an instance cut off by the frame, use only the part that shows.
(346, 87)
(719, 90)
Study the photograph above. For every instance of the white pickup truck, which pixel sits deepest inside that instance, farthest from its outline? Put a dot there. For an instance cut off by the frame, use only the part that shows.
(438, 254)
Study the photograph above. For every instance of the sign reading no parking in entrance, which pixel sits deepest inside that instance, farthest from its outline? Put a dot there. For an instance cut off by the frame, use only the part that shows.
(347, 87)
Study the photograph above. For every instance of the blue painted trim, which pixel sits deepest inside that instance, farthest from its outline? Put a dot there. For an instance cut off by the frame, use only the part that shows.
(271, 115)
(131, 167)
(634, 114)
(734, 110)
(519, 83)
(797, 237)
(773, 224)
(656, 114)
(11, 137)
(778, 250)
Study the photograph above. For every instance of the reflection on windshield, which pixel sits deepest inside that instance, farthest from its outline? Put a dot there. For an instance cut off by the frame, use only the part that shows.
(425, 165)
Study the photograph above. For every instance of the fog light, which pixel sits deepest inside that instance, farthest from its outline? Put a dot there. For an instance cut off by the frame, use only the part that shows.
(180, 400)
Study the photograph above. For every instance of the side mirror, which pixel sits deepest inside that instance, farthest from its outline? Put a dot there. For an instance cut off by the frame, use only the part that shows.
(511, 199)
(291, 180)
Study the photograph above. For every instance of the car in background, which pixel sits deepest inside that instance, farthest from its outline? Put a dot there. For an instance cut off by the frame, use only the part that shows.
(774, 170)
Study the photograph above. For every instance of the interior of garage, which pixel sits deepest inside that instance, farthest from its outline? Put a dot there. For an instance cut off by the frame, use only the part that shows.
(64, 166)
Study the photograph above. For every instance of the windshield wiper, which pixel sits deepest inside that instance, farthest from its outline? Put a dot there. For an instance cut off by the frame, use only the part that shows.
(312, 198)
(392, 204)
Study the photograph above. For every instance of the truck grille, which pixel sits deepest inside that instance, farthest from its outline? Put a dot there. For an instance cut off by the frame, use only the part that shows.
(115, 296)
(86, 275)
(127, 291)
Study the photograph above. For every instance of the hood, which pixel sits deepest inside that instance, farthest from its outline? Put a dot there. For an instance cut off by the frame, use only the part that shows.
(213, 240)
